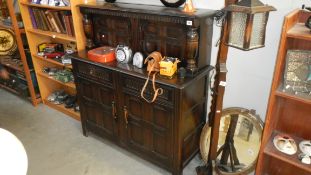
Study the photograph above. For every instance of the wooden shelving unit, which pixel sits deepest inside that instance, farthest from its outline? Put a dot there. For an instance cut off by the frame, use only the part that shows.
(70, 112)
(26, 3)
(270, 150)
(52, 35)
(19, 69)
(287, 114)
(69, 84)
(25, 70)
(48, 84)
(52, 61)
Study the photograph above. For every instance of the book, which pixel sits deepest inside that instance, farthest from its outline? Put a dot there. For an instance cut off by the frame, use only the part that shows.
(32, 17)
(46, 21)
(53, 28)
(66, 19)
(37, 18)
(61, 19)
(41, 16)
(53, 21)
(57, 20)
(71, 25)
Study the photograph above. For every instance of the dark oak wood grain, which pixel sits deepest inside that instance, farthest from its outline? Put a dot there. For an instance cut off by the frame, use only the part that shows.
(165, 132)
(147, 28)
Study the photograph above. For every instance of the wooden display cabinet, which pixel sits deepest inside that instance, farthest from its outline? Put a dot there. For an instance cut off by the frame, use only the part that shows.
(35, 37)
(165, 132)
(287, 114)
(25, 70)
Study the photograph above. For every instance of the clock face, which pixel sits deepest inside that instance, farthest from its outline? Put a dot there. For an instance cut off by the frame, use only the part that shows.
(120, 55)
(7, 42)
(138, 60)
(173, 3)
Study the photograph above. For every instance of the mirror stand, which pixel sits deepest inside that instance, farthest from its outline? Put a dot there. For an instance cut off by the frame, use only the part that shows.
(228, 149)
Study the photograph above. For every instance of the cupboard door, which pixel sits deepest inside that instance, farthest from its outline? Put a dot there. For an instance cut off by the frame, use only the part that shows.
(167, 38)
(161, 124)
(98, 107)
(149, 128)
(133, 112)
(111, 31)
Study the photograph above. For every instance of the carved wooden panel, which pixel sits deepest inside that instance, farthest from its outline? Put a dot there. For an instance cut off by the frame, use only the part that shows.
(162, 118)
(94, 73)
(134, 85)
(135, 129)
(112, 31)
(96, 104)
(148, 28)
(167, 38)
(149, 128)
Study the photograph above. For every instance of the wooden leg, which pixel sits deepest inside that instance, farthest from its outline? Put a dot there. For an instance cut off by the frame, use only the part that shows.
(177, 172)
(85, 131)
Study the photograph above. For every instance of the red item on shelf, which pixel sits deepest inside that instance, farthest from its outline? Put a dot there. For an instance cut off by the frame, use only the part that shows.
(102, 54)
(54, 54)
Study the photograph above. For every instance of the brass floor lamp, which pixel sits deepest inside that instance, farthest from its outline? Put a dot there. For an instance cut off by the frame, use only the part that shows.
(244, 28)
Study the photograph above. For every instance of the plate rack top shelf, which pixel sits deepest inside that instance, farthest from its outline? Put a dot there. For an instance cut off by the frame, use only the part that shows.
(46, 6)
(299, 31)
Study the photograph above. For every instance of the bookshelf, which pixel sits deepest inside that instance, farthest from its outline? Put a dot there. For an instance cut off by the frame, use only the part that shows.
(25, 70)
(287, 113)
(37, 36)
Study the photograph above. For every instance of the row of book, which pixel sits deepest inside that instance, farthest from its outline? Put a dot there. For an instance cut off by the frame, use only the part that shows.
(59, 21)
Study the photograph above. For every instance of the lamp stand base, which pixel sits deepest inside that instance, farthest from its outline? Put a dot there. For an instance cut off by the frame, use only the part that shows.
(206, 170)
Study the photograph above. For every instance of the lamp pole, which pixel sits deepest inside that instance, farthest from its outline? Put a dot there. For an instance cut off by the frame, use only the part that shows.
(219, 88)
(217, 98)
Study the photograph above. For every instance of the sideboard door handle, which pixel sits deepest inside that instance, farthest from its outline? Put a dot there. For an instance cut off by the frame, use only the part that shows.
(114, 110)
(125, 116)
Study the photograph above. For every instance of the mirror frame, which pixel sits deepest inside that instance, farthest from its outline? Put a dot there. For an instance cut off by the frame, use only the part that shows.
(206, 135)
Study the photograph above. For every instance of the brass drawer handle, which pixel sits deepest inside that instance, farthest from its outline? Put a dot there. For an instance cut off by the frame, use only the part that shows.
(125, 116)
(92, 71)
(114, 110)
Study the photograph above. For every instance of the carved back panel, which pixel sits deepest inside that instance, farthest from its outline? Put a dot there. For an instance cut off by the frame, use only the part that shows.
(152, 28)
(112, 31)
(167, 38)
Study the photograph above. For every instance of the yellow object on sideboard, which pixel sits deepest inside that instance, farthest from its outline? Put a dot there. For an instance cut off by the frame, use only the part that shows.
(168, 67)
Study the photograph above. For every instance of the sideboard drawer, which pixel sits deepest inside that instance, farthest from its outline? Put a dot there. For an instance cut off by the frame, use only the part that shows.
(134, 85)
(94, 72)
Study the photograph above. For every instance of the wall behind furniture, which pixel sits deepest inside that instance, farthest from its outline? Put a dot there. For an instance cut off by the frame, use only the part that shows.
(249, 72)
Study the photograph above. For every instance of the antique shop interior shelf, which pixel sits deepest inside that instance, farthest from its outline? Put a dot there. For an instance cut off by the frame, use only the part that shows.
(52, 35)
(287, 114)
(299, 31)
(289, 159)
(25, 70)
(26, 3)
(47, 84)
(292, 97)
(52, 61)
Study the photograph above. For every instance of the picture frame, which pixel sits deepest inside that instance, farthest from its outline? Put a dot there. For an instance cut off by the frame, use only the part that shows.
(297, 73)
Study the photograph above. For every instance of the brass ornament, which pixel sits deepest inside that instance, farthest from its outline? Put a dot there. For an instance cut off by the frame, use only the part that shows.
(8, 44)
(189, 8)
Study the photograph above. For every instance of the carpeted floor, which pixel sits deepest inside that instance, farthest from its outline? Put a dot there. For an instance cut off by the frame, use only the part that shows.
(55, 145)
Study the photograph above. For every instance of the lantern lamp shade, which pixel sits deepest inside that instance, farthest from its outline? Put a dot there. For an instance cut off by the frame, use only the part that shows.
(246, 26)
